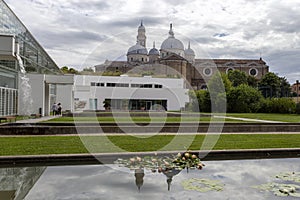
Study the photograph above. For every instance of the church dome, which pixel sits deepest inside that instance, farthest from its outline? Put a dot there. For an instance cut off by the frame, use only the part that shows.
(171, 42)
(189, 51)
(154, 51)
(137, 49)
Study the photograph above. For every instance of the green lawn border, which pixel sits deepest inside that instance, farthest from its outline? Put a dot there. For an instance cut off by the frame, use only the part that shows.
(42, 145)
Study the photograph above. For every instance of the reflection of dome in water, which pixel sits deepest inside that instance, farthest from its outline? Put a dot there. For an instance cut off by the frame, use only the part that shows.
(171, 42)
(137, 49)
(169, 173)
(139, 178)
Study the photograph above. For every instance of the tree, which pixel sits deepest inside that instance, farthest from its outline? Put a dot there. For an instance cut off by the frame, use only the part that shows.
(237, 77)
(88, 69)
(218, 86)
(244, 99)
(200, 101)
(269, 85)
(73, 71)
(252, 81)
(107, 104)
(285, 87)
(64, 69)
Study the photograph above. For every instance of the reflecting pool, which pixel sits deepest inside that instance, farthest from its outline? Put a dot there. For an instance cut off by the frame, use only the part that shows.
(235, 179)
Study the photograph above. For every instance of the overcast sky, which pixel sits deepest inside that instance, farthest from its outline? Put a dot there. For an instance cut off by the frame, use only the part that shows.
(80, 33)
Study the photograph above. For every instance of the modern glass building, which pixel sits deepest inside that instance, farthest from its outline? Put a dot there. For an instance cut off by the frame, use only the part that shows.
(17, 47)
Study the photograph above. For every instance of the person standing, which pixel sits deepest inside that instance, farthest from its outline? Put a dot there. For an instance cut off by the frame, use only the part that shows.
(59, 108)
(54, 109)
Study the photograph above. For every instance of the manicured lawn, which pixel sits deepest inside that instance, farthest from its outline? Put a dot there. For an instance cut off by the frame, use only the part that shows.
(268, 116)
(73, 144)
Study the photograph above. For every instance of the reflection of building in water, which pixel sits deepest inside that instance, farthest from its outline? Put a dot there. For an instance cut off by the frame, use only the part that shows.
(169, 173)
(17, 182)
(139, 177)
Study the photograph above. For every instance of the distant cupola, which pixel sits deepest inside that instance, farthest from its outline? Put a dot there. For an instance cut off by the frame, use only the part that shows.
(189, 54)
(153, 54)
(171, 45)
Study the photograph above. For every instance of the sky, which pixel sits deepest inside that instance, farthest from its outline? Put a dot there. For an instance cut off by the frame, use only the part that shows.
(82, 34)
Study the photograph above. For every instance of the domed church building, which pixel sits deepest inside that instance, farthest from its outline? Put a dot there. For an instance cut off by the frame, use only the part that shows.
(173, 54)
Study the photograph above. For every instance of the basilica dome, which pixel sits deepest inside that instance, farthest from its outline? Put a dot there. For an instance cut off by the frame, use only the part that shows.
(137, 49)
(171, 42)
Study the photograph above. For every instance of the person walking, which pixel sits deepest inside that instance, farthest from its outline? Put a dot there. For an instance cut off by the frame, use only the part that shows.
(54, 109)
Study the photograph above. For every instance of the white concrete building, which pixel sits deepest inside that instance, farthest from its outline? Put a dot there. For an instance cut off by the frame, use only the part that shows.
(129, 93)
(86, 92)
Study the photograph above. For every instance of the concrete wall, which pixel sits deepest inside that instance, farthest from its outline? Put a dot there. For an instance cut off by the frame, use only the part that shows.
(41, 92)
(65, 96)
(37, 84)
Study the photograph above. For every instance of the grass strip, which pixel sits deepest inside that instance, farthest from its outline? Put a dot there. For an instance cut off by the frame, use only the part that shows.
(136, 119)
(39, 145)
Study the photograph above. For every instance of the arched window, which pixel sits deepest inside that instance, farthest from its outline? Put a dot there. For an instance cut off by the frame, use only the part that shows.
(229, 69)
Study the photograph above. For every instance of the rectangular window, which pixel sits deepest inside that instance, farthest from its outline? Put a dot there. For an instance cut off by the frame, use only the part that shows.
(122, 85)
(111, 85)
(157, 86)
(93, 84)
(134, 85)
(146, 86)
(100, 84)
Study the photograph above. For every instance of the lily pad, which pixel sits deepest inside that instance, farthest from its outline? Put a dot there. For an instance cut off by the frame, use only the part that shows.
(289, 176)
(279, 189)
(202, 185)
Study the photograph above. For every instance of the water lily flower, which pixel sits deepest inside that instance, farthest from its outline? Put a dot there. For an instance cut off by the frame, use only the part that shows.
(139, 159)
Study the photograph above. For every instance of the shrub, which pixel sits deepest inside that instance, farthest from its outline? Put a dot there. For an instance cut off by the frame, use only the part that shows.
(297, 110)
(244, 99)
(278, 105)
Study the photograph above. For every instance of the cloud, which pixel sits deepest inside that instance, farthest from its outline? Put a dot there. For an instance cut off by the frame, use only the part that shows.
(240, 28)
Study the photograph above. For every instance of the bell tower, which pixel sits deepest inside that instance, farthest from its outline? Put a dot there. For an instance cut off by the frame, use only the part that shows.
(141, 37)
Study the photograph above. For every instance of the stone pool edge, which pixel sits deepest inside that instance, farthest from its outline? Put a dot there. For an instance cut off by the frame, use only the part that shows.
(109, 158)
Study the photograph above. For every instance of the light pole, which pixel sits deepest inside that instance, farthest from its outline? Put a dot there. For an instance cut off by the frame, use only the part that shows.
(297, 89)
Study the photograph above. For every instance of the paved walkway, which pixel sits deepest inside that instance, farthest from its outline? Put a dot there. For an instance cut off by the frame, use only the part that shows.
(36, 120)
(247, 119)
(234, 118)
